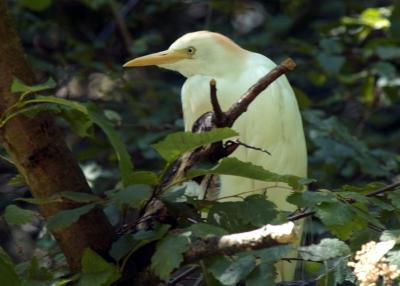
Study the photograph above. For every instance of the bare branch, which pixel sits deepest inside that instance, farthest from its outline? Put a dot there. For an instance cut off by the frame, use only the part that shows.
(243, 103)
(266, 236)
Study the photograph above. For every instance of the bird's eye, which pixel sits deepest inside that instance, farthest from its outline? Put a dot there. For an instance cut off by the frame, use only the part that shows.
(191, 51)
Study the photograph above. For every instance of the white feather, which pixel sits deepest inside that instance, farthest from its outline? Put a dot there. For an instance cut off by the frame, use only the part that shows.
(272, 122)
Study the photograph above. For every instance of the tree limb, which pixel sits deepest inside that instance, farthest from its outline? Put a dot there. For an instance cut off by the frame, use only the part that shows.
(266, 236)
(40, 154)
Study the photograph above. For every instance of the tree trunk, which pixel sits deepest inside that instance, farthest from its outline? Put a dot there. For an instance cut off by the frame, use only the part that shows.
(42, 156)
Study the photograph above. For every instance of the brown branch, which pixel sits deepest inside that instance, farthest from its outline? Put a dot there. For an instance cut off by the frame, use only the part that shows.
(243, 103)
(266, 236)
(41, 156)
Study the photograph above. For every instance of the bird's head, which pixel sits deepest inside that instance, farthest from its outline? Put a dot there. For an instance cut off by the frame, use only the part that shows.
(197, 53)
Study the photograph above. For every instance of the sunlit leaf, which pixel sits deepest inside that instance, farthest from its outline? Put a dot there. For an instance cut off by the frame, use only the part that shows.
(19, 86)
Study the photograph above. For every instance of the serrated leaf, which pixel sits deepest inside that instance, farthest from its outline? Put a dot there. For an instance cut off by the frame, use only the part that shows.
(19, 86)
(96, 271)
(169, 255)
(132, 195)
(65, 218)
(8, 276)
(311, 199)
(380, 203)
(204, 229)
(339, 218)
(230, 273)
(237, 216)
(176, 144)
(80, 197)
(233, 166)
(143, 177)
(328, 248)
(17, 215)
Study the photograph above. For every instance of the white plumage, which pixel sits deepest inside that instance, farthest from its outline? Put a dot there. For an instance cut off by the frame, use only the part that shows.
(272, 122)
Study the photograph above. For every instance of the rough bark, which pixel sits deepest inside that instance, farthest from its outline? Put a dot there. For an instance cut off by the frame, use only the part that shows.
(42, 157)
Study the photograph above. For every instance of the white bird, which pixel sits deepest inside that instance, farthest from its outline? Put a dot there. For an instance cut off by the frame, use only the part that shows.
(272, 122)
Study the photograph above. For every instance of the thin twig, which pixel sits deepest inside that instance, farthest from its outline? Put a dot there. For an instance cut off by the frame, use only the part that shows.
(388, 188)
(219, 115)
(183, 275)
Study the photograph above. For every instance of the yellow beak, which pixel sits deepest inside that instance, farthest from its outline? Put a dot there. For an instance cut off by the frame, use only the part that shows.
(164, 57)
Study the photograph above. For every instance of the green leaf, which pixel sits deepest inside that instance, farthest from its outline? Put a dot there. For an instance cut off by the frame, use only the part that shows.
(143, 177)
(124, 159)
(253, 211)
(394, 198)
(204, 229)
(264, 275)
(8, 276)
(340, 219)
(40, 201)
(130, 243)
(233, 166)
(176, 144)
(37, 273)
(330, 63)
(169, 255)
(230, 273)
(17, 215)
(388, 52)
(19, 86)
(80, 197)
(122, 246)
(132, 195)
(311, 199)
(96, 271)
(65, 218)
(328, 248)
(36, 5)
(80, 123)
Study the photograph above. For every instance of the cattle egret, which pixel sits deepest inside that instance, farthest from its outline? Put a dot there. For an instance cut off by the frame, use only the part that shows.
(272, 122)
